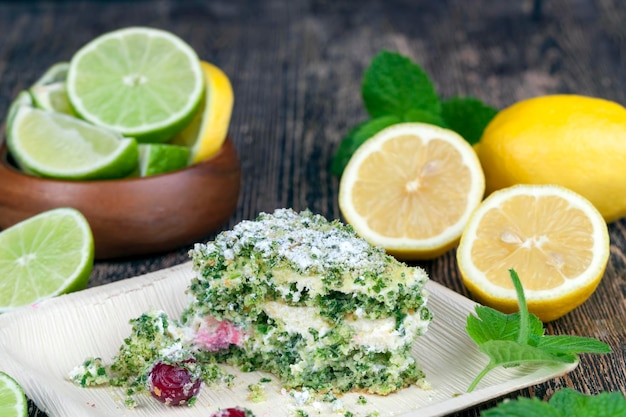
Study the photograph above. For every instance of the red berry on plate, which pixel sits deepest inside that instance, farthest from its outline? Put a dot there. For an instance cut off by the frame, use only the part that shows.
(233, 412)
(173, 384)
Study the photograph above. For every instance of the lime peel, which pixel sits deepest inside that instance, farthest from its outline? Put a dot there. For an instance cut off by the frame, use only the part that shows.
(159, 158)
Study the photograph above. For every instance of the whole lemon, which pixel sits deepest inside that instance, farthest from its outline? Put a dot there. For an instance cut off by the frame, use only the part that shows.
(574, 141)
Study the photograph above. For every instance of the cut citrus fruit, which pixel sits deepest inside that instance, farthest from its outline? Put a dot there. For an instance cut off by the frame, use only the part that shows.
(159, 158)
(56, 73)
(52, 97)
(60, 146)
(411, 188)
(207, 131)
(46, 255)
(555, 240)
(141, 82)
(12, 398)
(22, 99)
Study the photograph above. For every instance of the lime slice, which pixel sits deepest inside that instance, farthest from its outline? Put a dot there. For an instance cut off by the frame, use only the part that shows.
(54, 74)
(159, 158)
(141, 82)
(23, 99)
(56, 145)
(12, 398)
(207, 131)
(46, 255)
(52, 97)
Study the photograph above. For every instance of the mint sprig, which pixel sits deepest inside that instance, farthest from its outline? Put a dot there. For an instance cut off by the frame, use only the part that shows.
(395, 90)
(564, 403)
(393, 84)
(511, 340)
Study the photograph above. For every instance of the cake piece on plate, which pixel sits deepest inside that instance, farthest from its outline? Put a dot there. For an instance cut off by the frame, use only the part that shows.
(288, 293)
(309, 301)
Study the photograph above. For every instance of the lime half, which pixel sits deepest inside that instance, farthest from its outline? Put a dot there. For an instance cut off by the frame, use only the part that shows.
(46, 255)
(159, 158)
(141, 82)
(12, 398)
(56, 145)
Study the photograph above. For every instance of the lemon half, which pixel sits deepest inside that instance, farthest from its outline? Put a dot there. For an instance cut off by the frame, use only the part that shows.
(555, 239)
(411, 188)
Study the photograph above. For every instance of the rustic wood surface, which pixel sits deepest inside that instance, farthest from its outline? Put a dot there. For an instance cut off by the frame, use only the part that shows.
(296, 67)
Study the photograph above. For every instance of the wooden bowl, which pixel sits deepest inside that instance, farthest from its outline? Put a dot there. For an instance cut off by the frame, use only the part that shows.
(132, 216)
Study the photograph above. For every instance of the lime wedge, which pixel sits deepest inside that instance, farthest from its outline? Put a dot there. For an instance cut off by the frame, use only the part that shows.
(12, 398)
(159, 158)
(206, 133)
(52, 97)
(141, 82)
(56, 73)
(56, 145)
(23, 99)
(46, 255)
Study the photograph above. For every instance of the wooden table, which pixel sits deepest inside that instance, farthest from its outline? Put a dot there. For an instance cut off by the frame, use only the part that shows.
(296, 68)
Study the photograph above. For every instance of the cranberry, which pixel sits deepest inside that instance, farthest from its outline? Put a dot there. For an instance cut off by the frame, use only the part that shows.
(173, 384)
(234, 412)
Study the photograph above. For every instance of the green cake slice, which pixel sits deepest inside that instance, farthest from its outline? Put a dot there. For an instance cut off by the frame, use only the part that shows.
(314, 304)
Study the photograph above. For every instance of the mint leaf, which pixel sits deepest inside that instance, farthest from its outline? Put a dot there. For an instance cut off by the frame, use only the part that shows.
(467, 116)
(564, 403)
(559, 345)
(355, 138)
(489, 324)
(393, 84)
(524, 317)
(509, 354)
(423, 116)
(514, 339)
(573, 403)
(524, 407)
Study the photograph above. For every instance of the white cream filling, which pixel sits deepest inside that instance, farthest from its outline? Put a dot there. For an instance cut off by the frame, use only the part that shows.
(376, 335)
(297, 319)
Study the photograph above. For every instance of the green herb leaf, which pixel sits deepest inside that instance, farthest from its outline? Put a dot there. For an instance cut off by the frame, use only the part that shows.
(564, 403)
(514, 339)
(355, 138)
(559, 345)
(523, 335)
(523, 407)
(423, 116)
(395, 87)
(393, 84)
(573, 403)
(489, 324)
(510, 354)
(467, 116)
